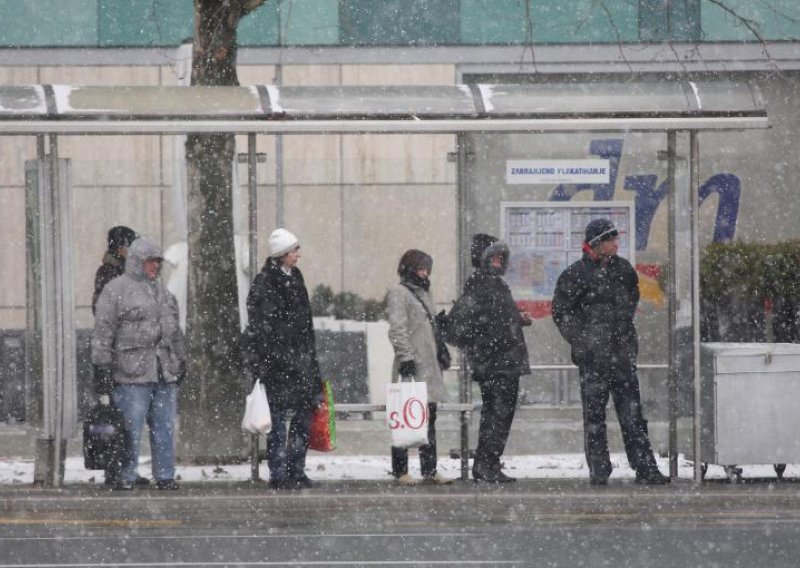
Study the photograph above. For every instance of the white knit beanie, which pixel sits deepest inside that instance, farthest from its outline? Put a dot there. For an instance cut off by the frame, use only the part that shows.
(281, 241)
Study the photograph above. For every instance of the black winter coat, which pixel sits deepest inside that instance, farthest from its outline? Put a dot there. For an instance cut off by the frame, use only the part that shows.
(593, 307)
(111, 267)
(278, 345)
(487, 325)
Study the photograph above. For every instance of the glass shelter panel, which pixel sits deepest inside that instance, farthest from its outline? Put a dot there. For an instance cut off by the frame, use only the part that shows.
(568, 179)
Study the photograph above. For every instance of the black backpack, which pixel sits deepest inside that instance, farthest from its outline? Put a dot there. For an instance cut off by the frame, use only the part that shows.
(105, 439)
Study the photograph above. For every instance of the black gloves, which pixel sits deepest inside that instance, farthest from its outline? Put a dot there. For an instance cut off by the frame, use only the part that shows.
(407, 369)
(443, 326)
(103, 379)
(319, 398)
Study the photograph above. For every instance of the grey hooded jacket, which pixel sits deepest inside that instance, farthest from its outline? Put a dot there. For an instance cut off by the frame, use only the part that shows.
(411, 335)
(136, 324)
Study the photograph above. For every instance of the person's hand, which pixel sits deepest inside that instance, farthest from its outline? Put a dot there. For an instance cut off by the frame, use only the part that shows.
(407, 369)
(104, 399)
(319, 398)
(525, 319)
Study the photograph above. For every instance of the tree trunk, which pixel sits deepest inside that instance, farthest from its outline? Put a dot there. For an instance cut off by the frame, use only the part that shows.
(213, 395)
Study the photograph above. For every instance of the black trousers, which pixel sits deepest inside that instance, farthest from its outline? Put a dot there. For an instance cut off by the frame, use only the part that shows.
(621, 384)
(499, 395)
(427, 453)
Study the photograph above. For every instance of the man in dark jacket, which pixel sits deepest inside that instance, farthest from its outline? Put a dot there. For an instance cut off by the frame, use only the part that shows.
(280, 351)
(593, 306)
(113, 265)
(487, 325)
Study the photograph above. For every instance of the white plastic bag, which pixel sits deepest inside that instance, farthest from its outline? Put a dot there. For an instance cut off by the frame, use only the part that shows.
(257, 419)
(407, 413)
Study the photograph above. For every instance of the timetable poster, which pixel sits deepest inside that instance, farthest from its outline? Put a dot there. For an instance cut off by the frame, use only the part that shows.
(545, 238)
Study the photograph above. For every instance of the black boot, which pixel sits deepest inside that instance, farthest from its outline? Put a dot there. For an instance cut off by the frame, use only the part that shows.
(488, 474)
(652, 477)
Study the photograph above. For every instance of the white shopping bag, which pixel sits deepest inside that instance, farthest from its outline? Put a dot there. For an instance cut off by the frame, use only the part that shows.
(257, 419)
(407, 413)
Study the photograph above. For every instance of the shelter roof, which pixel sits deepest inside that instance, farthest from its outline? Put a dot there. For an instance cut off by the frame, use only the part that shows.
(606, 106)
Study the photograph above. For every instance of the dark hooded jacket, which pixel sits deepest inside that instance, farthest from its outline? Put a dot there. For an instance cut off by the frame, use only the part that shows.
(485, 322)
(113, 265)
(594, 305)
(278, 344)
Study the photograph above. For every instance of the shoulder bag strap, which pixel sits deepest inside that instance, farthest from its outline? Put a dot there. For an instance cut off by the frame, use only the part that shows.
(424, 307)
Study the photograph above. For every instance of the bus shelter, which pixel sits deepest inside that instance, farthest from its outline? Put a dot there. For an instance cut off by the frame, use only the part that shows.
(50, 112)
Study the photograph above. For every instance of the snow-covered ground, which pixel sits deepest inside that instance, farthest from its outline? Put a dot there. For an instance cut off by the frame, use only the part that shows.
(332, 467)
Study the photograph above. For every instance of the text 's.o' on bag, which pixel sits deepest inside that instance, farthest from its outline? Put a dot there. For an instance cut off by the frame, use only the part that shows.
(407, 413)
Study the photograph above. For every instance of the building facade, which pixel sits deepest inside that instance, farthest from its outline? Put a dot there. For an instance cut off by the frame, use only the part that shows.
(358, 201)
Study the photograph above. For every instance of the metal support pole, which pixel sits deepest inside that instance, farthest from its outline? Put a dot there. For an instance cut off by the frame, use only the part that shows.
(672, 374)
(34, 405)
(465, 390)
(52, 292)
(252, 195)
(694, 206)
(279, 189)
(252, 239)
(58, 391)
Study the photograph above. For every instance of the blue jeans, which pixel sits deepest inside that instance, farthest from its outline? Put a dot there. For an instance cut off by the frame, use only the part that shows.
(286, 452)
(157, 404)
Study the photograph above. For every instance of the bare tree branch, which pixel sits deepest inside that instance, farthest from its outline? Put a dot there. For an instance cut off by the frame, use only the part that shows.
(750, 24)
(528, 43)
(613, 24)
(753, 27)
(778, 14)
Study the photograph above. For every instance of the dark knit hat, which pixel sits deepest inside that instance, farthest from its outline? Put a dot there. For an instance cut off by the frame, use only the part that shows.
(599, 230)
(412, 260)
(121, 236)
(480, 242)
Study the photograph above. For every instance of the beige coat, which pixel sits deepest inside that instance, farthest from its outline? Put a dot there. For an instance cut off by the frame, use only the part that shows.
(411, 335)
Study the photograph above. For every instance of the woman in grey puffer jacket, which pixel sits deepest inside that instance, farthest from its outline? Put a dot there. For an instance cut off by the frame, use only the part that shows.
(139, 357)
(410, 311)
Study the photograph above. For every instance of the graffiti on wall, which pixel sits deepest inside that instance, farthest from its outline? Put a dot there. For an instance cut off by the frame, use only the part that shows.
(648, 196)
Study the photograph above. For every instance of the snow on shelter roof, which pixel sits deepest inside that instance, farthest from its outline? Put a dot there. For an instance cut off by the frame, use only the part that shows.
(607, 106)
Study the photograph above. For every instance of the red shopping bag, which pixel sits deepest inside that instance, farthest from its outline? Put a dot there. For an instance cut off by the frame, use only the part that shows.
(322, 435)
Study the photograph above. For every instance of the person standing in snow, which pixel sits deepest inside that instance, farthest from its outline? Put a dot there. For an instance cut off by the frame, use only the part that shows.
(279, 350)
(412, 332)
(113, 265)
(487, 325)
(593, 307)
(139, 358)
